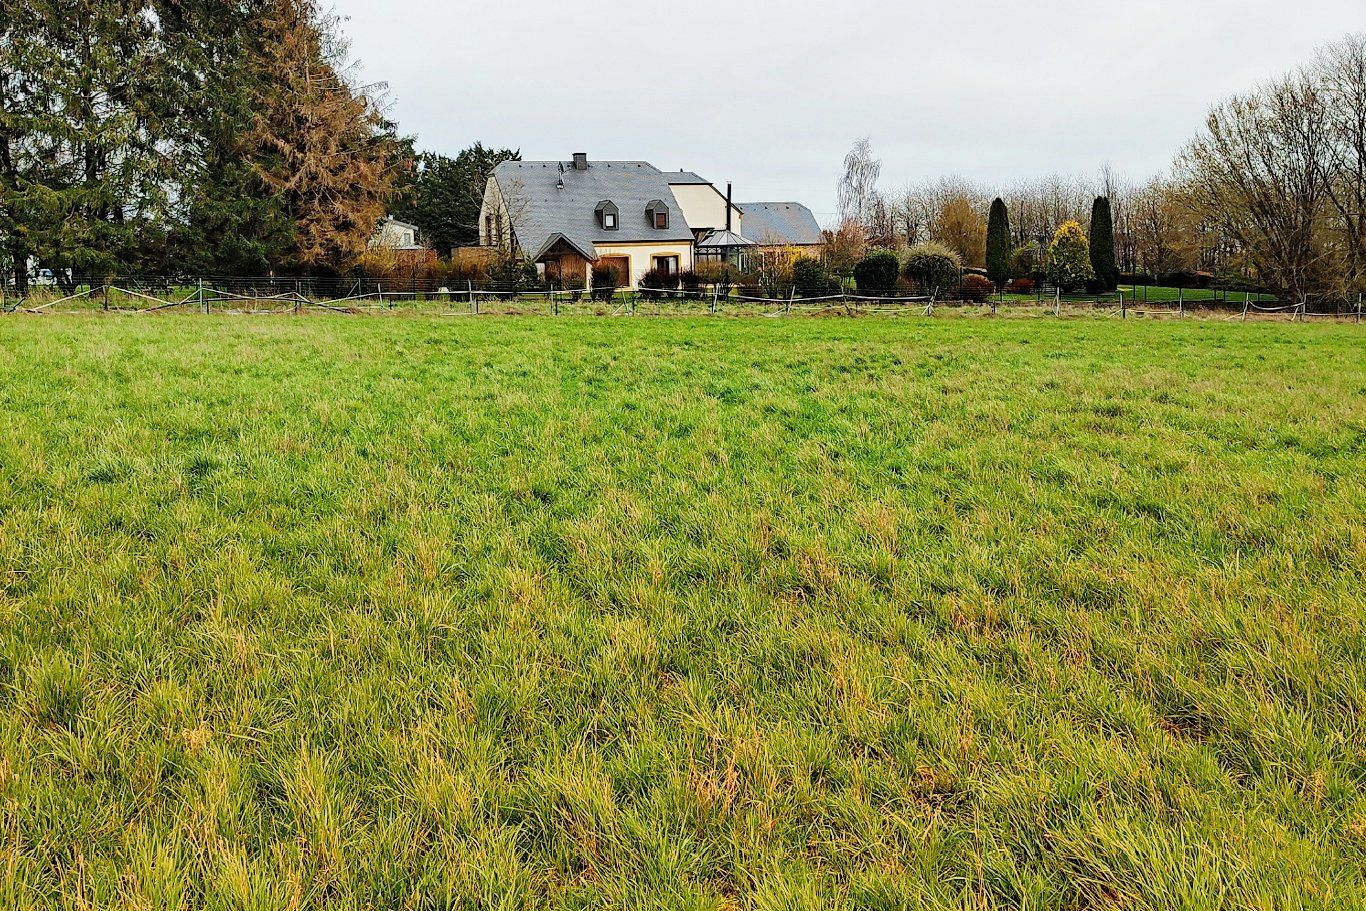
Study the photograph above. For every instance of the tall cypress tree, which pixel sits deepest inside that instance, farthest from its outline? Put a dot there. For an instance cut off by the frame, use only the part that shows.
(998, 243)
(1103, 244)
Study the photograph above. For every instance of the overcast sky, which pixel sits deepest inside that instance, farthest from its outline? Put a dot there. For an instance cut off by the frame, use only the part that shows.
(771, 96)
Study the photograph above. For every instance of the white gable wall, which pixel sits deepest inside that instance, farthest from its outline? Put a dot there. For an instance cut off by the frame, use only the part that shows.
(704, 207)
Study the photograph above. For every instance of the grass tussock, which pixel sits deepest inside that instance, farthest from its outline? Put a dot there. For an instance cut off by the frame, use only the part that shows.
(681, 614)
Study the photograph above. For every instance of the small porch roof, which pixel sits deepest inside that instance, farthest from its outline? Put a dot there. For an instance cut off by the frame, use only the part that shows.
(590, 254)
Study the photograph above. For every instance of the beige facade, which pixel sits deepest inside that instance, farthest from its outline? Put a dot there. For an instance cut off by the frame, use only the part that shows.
(642, 256)
(704, 207)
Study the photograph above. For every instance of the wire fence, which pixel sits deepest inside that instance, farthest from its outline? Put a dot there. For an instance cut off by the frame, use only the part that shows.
(269, 295)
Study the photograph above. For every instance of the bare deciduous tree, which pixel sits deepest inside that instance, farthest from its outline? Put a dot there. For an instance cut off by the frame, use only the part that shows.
(858, 187)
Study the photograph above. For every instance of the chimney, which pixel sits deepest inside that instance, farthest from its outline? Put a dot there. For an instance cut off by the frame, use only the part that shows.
(727, 206)
(580, 161)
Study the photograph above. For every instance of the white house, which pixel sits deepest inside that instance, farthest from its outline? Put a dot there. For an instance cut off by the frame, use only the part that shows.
(393, 234)
(568, 216)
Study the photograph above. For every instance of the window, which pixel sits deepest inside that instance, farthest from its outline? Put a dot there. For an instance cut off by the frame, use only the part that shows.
(657, 214)
(607, 215)
(666, 264)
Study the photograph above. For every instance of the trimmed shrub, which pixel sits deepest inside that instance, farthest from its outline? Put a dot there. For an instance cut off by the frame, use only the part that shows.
(878, 271)
(809, 276)
(933, 266)
(998, 243)
(1020, 286)
(690, 280)
(1103, 245)
(1069, 258)
(977, 288)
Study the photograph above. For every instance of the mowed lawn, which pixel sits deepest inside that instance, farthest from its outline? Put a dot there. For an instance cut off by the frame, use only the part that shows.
(348, 612)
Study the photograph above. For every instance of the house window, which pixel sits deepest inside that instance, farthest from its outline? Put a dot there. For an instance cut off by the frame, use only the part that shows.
(657, 214)
(607, 215)
(666, 264)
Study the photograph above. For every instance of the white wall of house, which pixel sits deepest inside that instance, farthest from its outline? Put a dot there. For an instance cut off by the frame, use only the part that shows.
(704, 206)
(494, 224)
(394, 235)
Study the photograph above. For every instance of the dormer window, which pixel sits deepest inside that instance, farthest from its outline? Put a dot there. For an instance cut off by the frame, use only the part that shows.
(657, 213)
(608, 215)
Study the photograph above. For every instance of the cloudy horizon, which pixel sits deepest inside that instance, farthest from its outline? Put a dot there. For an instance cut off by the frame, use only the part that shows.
(772, 102)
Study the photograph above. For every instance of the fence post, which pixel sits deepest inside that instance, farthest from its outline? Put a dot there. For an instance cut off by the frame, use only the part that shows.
(106, 296)
(1181, 300)
(1057, 302)
(1123, 310)
(1358, 306)
(1247, 302)
(714, 294)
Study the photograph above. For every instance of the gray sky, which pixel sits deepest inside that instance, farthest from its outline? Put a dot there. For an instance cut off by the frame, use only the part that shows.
(771, 96)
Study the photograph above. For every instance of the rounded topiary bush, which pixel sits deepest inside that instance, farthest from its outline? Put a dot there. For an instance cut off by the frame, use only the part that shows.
(878, 271)
(933, 266)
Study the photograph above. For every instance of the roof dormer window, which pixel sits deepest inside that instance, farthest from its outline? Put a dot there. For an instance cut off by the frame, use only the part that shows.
(657, 213)
(608, 215)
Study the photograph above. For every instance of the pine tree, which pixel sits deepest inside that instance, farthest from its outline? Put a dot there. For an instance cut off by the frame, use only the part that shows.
(227, 221)
(445, 195)
(1069, 257)
(83, 127)
(320, 143)
(998, 243)
(1103, 244)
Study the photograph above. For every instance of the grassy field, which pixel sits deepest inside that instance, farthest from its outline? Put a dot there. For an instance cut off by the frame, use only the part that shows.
(687, 614)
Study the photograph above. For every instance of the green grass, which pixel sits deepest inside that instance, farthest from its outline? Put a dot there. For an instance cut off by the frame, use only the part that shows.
(345, 612)
(1159, 294)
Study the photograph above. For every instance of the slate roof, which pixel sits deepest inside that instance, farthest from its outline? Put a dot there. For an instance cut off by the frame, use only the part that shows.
(685, 177)
(773, 223)
(541, 212)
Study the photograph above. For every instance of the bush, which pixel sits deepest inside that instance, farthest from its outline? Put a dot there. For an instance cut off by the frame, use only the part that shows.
(809, 276)
(1185, 279)
(1137, 278)
(605, 281)
(933, 266)
(690, 280)
(720, 274)
(977, 288)
(515, 273)
(659, 279)
(1024, 262)
(1069, 258)
(878, 271)
(1020, 286)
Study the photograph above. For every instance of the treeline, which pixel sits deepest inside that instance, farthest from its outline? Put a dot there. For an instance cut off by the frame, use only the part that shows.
(184, 136)
(1272, 193)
